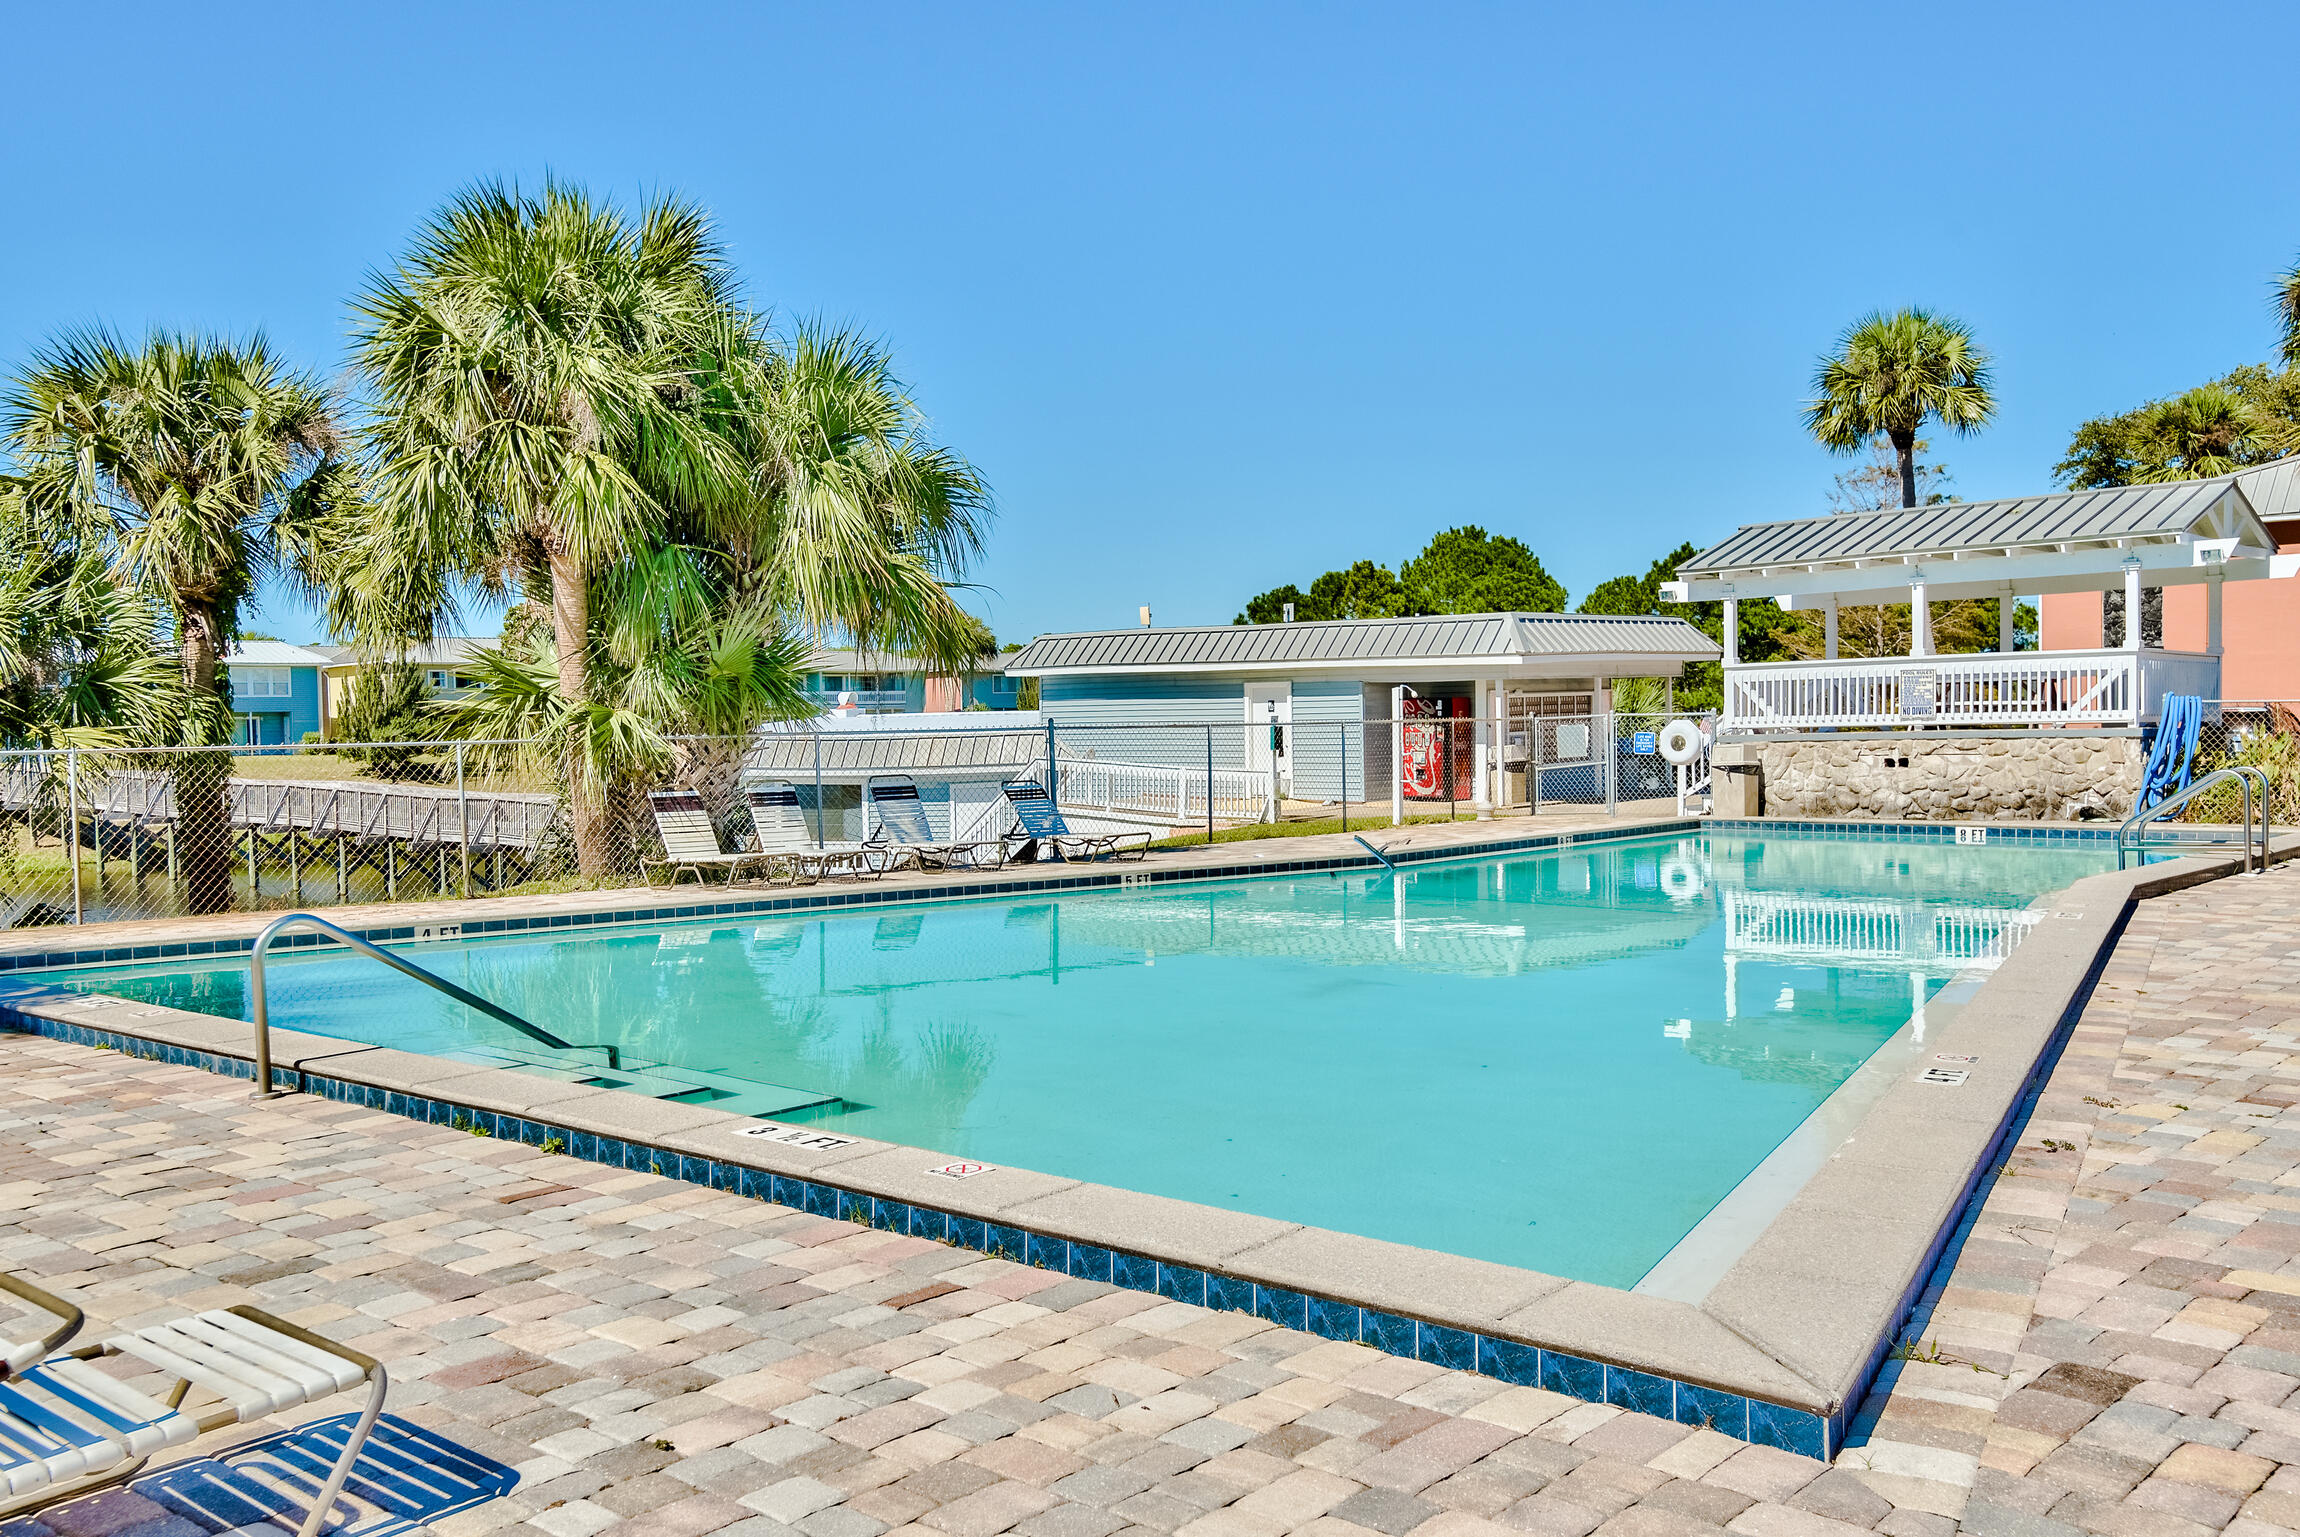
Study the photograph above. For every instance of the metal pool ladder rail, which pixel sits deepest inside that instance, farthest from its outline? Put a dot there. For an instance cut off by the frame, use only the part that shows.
(1387, 863)
(286, 921)
(2130, 836)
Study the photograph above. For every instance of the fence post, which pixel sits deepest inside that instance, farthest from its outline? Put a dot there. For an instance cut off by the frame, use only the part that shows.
(1612, 762)
(463, 823)
(1209, 786)
(72, 797)
(822, 812)
(1344, 728)
(1053, 779)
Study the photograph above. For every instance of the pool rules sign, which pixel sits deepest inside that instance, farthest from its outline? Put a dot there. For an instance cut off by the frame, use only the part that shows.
(1920, 693)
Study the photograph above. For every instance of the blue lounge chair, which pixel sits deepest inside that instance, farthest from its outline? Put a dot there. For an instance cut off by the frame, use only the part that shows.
(68, 1428)
(1040, 818)
(902, 817)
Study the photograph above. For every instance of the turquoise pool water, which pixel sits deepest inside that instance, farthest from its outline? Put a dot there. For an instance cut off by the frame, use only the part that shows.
(1560, 1060)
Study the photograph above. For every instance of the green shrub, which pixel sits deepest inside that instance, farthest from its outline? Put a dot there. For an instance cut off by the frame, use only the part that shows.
(388, 703)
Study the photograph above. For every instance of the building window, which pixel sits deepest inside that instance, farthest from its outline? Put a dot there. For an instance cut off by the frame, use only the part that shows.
(439, 680)
(1002, 684)
(259, 683)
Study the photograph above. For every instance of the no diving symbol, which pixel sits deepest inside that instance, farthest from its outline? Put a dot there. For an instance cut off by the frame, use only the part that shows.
(961, 1170)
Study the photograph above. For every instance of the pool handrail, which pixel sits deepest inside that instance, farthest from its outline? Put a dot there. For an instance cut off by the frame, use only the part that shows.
(286, 921)
(2243, 774)
(1387, 862)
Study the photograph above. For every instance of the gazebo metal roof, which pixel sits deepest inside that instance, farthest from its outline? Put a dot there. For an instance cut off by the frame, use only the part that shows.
(2071, 541)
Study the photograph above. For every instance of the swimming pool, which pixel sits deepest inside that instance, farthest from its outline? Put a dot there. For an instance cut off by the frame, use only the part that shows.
(1560, 1060)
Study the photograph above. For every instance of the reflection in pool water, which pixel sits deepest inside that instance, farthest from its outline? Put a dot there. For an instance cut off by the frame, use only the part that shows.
(1558, 1060)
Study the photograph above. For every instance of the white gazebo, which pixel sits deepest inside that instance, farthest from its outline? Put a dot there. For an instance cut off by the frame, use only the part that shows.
(2127, 537)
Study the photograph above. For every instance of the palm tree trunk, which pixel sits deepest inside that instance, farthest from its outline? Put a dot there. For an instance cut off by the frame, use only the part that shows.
(202, 780)
(571, 632)
(1905, 445)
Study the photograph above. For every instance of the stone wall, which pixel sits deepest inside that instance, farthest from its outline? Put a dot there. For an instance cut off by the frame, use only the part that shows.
(2030, 777)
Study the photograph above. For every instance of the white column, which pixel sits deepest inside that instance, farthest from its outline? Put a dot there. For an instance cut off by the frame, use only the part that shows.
(2132, 605)
(1481, 760)
(1500, 744)
(1398, 756)
(1829, 628)
(1920, 621)
(1732, 631)
(2212, 609)
(2006, 606)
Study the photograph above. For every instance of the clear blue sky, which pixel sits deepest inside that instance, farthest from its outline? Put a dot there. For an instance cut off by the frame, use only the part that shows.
(1221, 296)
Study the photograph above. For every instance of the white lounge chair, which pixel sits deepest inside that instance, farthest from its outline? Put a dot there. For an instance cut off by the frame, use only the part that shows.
(67, 1428)
(779, 824)
(902, 816)
(690, 842)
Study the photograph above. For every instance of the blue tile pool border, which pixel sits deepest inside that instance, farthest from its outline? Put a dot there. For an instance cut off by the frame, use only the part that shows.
(1519, 1362)
(1100, 875)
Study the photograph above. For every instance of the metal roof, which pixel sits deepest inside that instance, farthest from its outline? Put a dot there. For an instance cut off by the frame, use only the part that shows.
(275, 653)
(1432, 637)
(2119, 512)
(847, 756)
(2272, 489)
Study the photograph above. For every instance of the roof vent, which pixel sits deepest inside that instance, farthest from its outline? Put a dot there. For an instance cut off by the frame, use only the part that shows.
(1145, 616)
(1289, 613)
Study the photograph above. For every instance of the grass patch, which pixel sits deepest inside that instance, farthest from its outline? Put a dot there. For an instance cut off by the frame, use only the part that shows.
(1332, 824)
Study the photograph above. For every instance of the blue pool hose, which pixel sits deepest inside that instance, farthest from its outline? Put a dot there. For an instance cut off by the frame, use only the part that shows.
(2172, 757)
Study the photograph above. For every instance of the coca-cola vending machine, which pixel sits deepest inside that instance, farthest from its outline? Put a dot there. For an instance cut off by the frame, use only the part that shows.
(1424, 751)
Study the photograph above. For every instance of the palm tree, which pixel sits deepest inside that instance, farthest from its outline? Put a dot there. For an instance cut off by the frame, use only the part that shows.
(861, 521)
(79, 666)
(538, 366)
(2197, 435)
(2288, 314)
(573, 401)
(1890, 375)
(194, 467)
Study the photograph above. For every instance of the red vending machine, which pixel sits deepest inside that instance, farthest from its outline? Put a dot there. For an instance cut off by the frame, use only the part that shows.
(1430, 770)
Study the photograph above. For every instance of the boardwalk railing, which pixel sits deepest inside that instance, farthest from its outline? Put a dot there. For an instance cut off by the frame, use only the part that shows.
(365, 812)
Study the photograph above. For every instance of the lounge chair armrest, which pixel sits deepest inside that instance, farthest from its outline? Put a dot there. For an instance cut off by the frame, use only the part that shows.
(29, 1354)
(301, 1335)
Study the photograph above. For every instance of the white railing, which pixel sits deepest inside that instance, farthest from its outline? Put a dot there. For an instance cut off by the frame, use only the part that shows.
(1155, 790)
(864, 698)
(2026, 688)
(1779, 926)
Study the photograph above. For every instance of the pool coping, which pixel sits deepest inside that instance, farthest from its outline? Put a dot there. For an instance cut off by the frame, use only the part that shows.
(1778, 1353)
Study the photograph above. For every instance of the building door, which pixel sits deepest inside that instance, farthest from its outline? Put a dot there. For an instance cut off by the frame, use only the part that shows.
(1265, 703)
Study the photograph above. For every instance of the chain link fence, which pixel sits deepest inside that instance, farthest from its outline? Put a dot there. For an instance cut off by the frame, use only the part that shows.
(2262, 734)
(91, 836)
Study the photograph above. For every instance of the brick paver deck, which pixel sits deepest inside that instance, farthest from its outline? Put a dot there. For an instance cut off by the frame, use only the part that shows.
(2111, 1350)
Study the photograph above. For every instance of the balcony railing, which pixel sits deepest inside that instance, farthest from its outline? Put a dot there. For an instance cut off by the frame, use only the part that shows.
(864, 698)
(2021, 688)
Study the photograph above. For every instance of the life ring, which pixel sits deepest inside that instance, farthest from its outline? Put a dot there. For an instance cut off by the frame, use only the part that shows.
(1680, 742)
(1680, 882)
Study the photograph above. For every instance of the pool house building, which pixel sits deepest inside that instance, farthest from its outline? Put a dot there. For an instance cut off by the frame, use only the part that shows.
(1314, 700)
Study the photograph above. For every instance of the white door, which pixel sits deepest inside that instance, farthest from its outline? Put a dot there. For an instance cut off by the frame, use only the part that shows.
(1265, 701)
